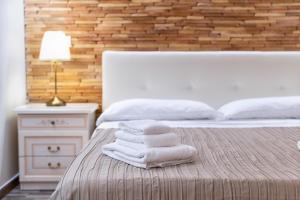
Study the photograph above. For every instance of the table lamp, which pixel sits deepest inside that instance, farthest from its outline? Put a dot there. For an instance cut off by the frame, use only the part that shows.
(55, 47)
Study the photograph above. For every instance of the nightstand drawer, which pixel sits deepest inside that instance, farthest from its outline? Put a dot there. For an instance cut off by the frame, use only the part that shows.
(52, 146)
(66, 121)
(45, 166)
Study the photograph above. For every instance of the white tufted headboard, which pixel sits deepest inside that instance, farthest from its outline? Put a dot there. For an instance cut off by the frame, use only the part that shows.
(212, 77)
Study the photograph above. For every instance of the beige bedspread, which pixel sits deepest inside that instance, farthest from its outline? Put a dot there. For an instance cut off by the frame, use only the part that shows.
(248, 163)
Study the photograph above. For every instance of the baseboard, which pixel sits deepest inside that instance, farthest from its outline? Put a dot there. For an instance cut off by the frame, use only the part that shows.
(9, 185)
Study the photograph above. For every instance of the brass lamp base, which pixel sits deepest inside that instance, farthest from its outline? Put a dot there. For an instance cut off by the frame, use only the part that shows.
(56, 101)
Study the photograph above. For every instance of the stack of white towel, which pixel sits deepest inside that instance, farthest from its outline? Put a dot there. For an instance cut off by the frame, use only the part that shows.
(146, 144)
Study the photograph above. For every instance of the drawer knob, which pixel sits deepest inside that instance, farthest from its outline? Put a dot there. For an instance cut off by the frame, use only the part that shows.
(53, 167)
(53, 150)
(52, 123)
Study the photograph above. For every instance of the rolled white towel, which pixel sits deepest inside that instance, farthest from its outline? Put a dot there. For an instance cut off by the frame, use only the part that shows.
(151, 157)
(144, 127)
(161, 140)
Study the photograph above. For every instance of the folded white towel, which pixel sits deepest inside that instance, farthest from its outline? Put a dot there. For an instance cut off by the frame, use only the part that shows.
(133, 145)
(148, 165)
(144, 127)
(157, 154)
(161, 140)
(151, 157)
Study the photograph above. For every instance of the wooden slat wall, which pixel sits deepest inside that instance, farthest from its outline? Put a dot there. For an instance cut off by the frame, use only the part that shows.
(148, 25)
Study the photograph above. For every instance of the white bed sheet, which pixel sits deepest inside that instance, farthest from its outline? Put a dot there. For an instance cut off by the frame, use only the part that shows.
(255, 123)
(220, 124)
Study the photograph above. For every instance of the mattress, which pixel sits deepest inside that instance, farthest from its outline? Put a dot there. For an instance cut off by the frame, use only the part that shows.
(232, 163)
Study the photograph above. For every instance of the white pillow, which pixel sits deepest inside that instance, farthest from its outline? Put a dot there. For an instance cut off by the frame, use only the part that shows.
(157, 109)
(262, 108)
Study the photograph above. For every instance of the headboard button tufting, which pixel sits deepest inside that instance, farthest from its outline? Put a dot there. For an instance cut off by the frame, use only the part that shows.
(189, 87)
(215, 77)
(143, 87)
(236, 87)
(282, 87)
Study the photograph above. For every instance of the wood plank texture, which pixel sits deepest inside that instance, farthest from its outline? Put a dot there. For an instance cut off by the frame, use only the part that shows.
(11, 185)
(98, 25)
(17, 194)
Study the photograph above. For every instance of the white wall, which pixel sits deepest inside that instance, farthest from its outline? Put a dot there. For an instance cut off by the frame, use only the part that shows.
(12, 83)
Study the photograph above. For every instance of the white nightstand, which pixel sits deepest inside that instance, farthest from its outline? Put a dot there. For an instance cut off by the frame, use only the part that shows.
(49, 139)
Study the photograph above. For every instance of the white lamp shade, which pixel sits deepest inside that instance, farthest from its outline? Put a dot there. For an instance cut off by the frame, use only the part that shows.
(55, 46)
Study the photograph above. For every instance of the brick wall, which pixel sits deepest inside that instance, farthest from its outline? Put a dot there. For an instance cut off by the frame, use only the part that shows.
(148, 25)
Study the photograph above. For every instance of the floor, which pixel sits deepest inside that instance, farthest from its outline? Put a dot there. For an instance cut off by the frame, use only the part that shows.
(17, 194)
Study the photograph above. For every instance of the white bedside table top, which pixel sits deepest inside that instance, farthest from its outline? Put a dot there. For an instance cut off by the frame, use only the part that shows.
(37, 108)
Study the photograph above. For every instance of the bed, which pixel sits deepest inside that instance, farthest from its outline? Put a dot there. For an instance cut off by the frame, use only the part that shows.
(241, 159)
